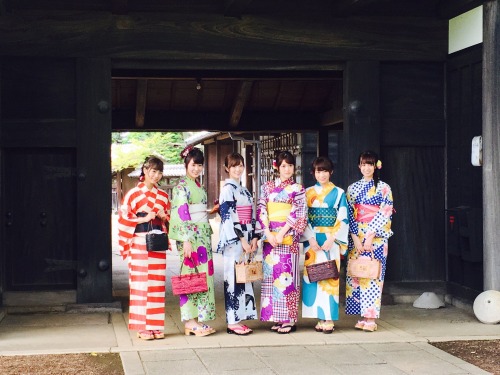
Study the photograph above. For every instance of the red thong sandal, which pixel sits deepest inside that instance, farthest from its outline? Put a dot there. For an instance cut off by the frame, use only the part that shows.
(239, 331)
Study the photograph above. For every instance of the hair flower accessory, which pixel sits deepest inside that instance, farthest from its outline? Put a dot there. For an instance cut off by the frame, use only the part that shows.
(275, 166)
(379, 164)
(186, 151)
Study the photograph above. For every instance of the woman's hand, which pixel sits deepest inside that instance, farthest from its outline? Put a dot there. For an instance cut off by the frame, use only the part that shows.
(188, 249)
(271, 238)
(368, 241)
(245, 245)
(357, 243)
(327, 245)
(279, 237)
(162, 215)
(150, 216)
(314, 244)
(254, 245)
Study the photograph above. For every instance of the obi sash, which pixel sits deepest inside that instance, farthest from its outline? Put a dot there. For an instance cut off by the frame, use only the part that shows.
(244, 214)
(322, 216)
(278, 212)
(198, 212)
(156, 223)
(364, 213)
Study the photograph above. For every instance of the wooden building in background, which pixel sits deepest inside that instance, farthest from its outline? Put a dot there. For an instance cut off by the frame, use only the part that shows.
(352, 75)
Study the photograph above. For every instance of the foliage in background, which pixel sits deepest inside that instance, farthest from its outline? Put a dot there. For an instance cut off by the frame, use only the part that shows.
(130, 149)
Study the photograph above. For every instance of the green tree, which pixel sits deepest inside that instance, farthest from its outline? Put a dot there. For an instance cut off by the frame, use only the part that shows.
(130, 149)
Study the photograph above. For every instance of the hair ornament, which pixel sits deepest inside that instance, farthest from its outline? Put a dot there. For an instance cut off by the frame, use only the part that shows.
(275, 165)
(186, 151)
(379, 164)
(141, 178)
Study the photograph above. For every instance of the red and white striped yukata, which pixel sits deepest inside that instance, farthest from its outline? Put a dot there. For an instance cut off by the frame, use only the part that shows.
(147, 269)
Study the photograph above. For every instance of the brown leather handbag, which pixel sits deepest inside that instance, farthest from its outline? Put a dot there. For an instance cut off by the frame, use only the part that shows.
(322, 271)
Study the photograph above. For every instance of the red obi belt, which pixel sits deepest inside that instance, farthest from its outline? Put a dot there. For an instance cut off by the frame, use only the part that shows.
(364, 213)
(244, 214)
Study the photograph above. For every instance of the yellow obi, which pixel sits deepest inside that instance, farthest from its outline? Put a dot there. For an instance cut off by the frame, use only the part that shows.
(279, 212)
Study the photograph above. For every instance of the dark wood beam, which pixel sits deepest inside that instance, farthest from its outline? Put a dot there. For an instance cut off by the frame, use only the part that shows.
(119, 6)
(140, 107)
(235, 8)
(448, 9)
(239, 102)
(346, 7)
(165, 36)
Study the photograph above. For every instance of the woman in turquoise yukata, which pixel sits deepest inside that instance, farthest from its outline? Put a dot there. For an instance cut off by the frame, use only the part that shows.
(370, 217)
(237, 235)
(282, 214)
(189, 226)
(327, 238)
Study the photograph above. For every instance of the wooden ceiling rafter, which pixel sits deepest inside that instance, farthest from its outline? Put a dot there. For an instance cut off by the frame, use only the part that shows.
(239, 103)
(140, 109)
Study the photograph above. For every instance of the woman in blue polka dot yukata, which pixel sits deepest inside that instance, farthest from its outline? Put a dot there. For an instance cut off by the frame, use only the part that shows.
(370, 214)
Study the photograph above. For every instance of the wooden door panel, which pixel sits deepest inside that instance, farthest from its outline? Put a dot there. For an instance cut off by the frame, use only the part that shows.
(40, 218)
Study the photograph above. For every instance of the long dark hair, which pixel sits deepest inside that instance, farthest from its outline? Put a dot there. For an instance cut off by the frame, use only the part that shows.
(371, 157)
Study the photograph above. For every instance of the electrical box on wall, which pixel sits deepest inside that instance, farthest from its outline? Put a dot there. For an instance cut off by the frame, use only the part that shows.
(476, 156)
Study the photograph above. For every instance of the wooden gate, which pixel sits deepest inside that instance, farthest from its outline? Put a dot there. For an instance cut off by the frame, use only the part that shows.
(40, 206)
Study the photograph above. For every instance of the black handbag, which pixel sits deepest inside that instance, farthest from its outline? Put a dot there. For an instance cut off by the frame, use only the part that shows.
(156, 241)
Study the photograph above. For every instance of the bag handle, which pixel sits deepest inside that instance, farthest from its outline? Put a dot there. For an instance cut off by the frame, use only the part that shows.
(247, 257)
(182, 265)
(371, 254)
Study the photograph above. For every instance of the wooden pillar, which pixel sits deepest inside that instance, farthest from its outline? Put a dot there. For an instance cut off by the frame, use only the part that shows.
(362, 113)
(491, 143)
(94, 271)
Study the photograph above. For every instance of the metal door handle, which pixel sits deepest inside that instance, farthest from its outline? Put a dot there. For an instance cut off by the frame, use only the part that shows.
(8, 216)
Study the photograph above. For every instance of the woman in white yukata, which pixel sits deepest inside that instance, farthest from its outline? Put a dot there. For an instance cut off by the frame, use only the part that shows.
(237, 235)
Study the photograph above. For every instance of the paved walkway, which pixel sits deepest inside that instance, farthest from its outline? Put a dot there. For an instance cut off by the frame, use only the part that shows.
(400, 346)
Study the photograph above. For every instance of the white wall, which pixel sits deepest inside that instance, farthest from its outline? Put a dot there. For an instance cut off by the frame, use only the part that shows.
(465, 30)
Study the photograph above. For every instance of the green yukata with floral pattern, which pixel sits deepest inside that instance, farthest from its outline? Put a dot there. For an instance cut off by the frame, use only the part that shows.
(188, 192)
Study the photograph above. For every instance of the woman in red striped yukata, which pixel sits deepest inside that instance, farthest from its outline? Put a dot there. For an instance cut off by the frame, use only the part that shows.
(145, 207)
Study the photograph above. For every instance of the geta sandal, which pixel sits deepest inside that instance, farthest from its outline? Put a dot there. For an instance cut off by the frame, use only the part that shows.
(197, 331)
(239, 331)
(146, 335)
(158, 334)
(285, 329)
(328, 327)
(276, 326)
(360, 324)
(319, 327)
(370, 327)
